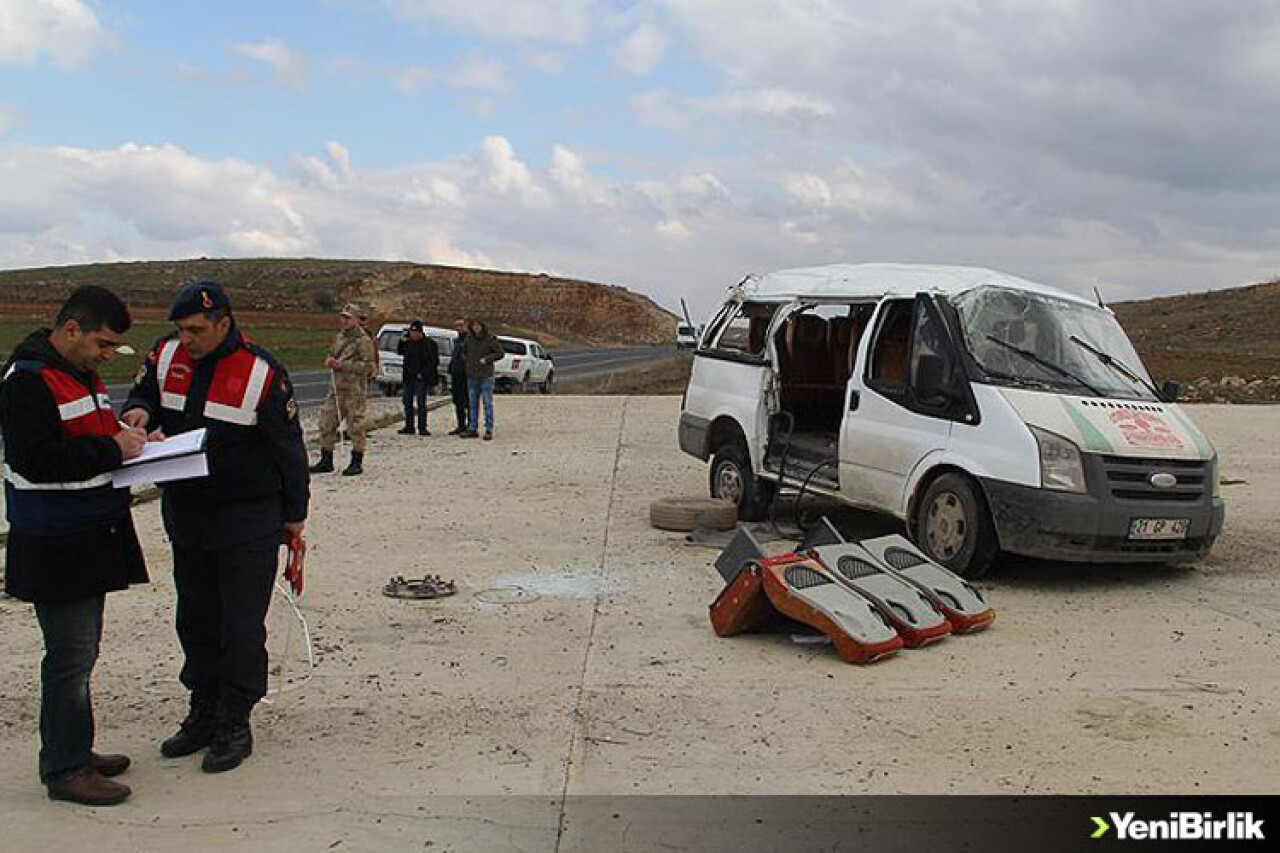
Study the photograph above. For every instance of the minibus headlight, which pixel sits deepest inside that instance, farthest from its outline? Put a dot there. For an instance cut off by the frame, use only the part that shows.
(1061, 467)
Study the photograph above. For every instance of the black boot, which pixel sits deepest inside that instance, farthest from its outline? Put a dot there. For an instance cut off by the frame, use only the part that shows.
(195, 732)
(356, 465)
(232, 743)
(407, 429)
(325, 465)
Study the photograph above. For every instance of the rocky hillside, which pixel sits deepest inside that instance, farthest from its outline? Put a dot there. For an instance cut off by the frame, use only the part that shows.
(554, 310)
(1222, 345)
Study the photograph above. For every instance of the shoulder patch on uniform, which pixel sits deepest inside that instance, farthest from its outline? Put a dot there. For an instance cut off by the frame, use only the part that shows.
(291, 408)
(141, 374)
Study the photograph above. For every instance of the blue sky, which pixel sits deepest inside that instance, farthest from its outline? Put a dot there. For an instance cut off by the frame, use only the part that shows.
(666, 145)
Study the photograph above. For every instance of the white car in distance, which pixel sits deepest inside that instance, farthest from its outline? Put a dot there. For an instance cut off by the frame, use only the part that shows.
(525, 366)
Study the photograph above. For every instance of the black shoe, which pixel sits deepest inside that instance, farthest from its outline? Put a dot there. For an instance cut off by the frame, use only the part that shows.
(457, 431)
(194, 734)
(468, 433)
(488, 435)
(325, 465)
(424, 432)
(356, 466)
(232, 744)
(406, 430)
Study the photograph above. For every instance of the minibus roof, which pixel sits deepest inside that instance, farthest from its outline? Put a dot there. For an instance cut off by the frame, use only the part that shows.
(842, 281)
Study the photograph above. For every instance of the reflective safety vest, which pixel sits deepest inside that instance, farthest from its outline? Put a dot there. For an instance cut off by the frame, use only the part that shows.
(82, 412)
(236, 392)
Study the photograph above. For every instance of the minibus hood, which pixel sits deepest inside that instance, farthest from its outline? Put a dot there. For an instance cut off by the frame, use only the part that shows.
(1114, 427)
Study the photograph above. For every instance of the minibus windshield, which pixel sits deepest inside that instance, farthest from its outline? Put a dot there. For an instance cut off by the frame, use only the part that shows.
(997, 322)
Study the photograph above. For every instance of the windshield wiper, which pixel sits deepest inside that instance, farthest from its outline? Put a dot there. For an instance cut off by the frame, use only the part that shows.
(1045, 363)
(1120, 367)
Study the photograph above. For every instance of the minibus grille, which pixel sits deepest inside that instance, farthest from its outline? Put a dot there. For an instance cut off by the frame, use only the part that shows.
(1130, 479)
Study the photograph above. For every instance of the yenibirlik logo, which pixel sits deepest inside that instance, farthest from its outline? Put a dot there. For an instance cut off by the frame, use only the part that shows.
(1182, 826)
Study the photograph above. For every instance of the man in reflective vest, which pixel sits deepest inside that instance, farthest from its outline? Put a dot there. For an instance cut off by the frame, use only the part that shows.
(71, 538)
(226, 528)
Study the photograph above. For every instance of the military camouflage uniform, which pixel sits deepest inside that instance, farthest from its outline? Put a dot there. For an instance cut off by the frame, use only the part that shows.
(354, 350)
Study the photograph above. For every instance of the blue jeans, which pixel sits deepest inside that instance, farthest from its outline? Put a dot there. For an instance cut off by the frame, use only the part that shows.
(415, 389)
(481, 389)
(72, 631)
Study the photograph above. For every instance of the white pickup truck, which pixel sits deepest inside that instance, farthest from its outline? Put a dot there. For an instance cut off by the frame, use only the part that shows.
(526, 366)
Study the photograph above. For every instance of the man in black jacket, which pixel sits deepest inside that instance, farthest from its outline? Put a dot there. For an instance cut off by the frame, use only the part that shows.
(226, 528)
(420, 373)
(458, 380)
(71, 537)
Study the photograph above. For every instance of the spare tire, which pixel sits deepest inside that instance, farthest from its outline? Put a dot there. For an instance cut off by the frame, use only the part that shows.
(686, 514)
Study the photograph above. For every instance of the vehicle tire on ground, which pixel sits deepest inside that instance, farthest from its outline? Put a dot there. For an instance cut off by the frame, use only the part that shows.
(733, 480)
(389, 390)
(686, 514)
(546, 383)
(953, 526)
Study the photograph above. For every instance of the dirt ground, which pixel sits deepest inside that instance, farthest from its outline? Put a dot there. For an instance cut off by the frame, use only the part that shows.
(577, 659)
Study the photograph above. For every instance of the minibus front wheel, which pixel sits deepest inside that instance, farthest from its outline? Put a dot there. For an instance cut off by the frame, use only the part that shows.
(954, 527)
(733, 480)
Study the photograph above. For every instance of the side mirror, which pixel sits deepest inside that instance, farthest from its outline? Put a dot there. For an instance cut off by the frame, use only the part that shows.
(931, 384)
(1170, 391)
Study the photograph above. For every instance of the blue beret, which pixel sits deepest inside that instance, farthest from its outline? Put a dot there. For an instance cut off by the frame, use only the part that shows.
(198, 297)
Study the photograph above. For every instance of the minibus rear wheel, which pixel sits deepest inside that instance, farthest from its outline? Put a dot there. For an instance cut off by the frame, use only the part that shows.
(733, 479)
(954, 528)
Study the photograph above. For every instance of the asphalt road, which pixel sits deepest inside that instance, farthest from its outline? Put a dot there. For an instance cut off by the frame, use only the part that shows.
(311, 386)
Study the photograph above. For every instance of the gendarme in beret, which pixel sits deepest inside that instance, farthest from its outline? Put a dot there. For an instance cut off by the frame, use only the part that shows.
(199, 297)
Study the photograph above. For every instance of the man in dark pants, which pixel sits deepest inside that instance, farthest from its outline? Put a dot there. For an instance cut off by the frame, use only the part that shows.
(71, 538)
(226, 528)
(458, 380)
(420, 373)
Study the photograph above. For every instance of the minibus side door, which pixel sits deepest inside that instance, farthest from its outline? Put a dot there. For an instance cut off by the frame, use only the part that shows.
(901, 404)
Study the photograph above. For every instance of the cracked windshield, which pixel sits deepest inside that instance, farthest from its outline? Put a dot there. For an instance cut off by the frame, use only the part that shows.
(1035, 341)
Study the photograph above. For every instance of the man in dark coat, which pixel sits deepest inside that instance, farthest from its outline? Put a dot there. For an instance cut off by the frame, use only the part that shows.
(71, 537)
(420, 374)
(481, 352)
(227, 527)
(458, 380)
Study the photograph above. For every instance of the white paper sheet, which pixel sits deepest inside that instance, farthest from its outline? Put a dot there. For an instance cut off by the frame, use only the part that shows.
(163, 471)
(184, 444)
(178, 458)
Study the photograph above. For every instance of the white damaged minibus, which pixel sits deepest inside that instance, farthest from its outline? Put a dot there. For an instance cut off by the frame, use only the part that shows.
(988, 412)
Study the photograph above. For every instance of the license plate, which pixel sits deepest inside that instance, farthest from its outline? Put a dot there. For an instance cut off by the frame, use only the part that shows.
(1158, 528)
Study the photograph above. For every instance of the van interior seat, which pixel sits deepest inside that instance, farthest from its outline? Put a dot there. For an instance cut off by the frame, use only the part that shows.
(846, 332)
(890, 364)
(811, 389)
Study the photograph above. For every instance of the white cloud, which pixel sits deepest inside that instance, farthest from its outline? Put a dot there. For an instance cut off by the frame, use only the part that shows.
(774, 102)
(506, 172)
(568, 169)
(641, 51)
(288, 66)
(556, 21)
(67, 31)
